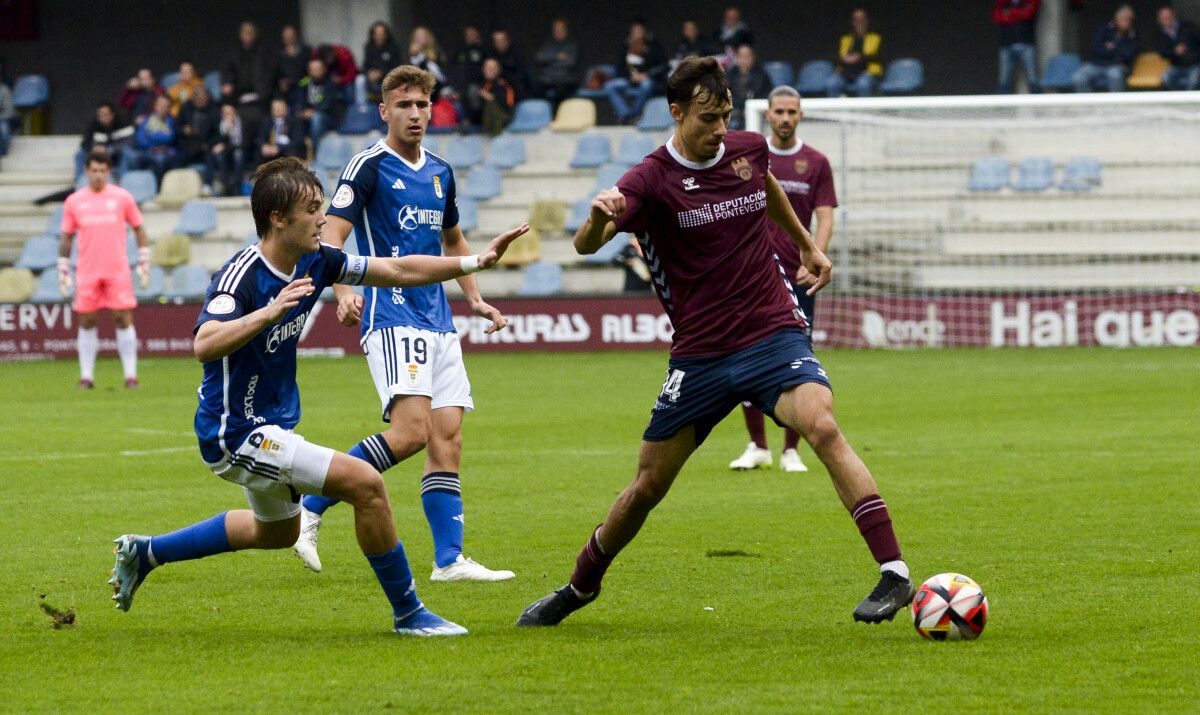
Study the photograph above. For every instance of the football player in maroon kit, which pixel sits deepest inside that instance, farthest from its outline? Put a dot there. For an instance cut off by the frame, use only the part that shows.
(700, 207)
(804, 175)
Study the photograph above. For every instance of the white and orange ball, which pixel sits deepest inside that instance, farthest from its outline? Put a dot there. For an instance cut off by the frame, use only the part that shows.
(950, 607)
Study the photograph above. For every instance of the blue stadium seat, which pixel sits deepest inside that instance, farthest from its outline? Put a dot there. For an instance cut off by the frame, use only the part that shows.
(609, 251)
(591, 151)
(1080, 174)
(577, 215)
(54, 222)
(329, 182)
(780, 73)
(463, 152)
(541, 279)
(197, 218)
(482, 183)
(38, 253)
(154, 288)
(531, 115)
(989, 174)
(188, 282)
(140, 184)
(30, 91)
(1035, 174)
(334, 152)
(1060, 72)
(131, 247)
(610, 70)
(249, 240)
(634, 148)
(212, 80)
(360, 90)
(506, 151)
(46, 288)
(607, 176)
(360, 119)
(903, 76)
(656, 116)
(169, 79)
(813, 77)
(468, 215)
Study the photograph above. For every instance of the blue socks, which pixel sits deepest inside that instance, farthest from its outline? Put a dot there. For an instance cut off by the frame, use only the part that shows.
(202, 539)
(374, 451)
(441, 495)
(397, 580)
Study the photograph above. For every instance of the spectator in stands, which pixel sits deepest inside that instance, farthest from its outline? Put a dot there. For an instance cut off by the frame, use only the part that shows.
(108, 131)
(859, 69)
(137, 97)
(318, 101)
(691, 44)
(199, 132)
(496, 98)
(747, 80)
(292, 62)
(380, 55)
(633, 263)
(247, 80)
(512, 65)
(1114, 47)
(281, 134)
(340, 61)
(732, 34)
(1178, 41)
(182, 90)
(1016, 20)
(8, 112)
(230, 153)
(154, 142)
(557, 65)
(423, 52)
(641, 68)
(468, 63)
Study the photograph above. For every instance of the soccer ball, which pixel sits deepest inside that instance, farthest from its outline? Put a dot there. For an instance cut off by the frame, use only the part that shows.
(950, 607)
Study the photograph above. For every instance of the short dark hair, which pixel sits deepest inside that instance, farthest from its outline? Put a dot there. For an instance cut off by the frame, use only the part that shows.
(98, 156)
(278, 185)
(697, 79)
(409, 76)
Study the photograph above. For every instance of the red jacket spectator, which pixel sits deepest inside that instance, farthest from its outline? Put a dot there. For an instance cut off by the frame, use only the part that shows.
(340, 62)
(1016, 19)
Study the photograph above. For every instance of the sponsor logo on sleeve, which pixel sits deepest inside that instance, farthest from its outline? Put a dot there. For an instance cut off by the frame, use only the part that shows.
(223, 304)
(344, 196)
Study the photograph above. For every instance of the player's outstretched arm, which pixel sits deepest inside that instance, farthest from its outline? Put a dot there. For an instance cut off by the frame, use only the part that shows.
(413, 271)
(349, 304)
(779, 210)
(216, 339)
(454, 244)
(599, 227)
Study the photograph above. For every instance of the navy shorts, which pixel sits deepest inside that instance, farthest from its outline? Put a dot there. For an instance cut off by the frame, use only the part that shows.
(702, 391)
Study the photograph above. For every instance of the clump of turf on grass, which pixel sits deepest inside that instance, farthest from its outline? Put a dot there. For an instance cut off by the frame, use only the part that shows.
(58, 619)
(727, 553)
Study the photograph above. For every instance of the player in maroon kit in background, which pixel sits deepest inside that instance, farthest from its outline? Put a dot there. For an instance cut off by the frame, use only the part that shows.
(806, 178)
(700, 207)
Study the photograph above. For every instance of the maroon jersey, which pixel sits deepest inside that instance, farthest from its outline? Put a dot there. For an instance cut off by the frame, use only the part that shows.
(806, 178)
(703, 228)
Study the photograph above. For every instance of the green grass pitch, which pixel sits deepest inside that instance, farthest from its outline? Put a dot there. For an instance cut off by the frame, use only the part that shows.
(1063, 481)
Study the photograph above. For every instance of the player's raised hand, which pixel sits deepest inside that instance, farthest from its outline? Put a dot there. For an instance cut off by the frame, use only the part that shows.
(289, 298)
(349, 310)
(499, 245)
(607, 205)
(483, 310)
(819, 268)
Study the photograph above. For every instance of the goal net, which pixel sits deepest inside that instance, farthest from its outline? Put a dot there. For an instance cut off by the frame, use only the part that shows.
(1049, 220)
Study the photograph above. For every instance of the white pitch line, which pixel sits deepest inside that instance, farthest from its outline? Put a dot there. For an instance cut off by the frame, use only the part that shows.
(169, 432)
(161, 450)
(61, 456)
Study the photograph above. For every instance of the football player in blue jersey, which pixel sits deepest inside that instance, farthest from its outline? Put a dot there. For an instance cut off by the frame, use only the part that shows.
(254, 312)
(400, 201)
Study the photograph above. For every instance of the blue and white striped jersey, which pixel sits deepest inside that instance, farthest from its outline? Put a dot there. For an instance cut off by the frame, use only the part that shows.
(399, 209)
(255, 385)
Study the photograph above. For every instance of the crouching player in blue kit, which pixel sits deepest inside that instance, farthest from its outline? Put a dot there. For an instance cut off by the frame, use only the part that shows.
(246, 336)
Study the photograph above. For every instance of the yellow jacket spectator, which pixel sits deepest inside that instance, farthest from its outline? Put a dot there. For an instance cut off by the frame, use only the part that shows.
(183, 90)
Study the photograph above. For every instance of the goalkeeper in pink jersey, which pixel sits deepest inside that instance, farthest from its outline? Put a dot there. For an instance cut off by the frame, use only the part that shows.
(96, 215)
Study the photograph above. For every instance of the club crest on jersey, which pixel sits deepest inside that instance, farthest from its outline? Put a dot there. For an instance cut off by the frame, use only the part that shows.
(343, 197)
(801, 166)
(437, 186)
(742, 168)
(690, 183)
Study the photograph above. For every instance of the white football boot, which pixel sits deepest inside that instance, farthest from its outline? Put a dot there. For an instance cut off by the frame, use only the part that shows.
(464, 569)
(790, 461)
(753, 458)
(306, 545)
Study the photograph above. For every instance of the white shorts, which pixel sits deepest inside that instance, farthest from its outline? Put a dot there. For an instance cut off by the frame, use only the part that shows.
(275, 466)
(411, 361)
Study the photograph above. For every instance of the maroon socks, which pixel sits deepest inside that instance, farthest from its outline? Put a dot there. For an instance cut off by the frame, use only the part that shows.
(754, 425)
(871, 516)
(590, 567)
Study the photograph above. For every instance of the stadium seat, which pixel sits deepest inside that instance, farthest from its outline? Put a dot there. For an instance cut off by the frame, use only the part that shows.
(547, 216)
(140, 184)
(1060, 72)
(634, 148)
(54, 222)
(609, 251)
(903, 76)
(131, 247)
(1080, 174)
(591, 151)
(1035, 173)
(45, 290)
(506, 151)
(329, 182)
(607, 176)
(212, 81)
(16, 285)
(188, 282)
(482, 183)
(38, 253)
(989, 174)
(252, 238)
(531, 115)
(813, 77)
(541, 279)
(781, 73)
(577, 215)
(656, 116)
(179, 186)
(468, 215)
(169, 79)
(154, 288)
(360, 119)
(31, 91)
(197, 218)
(524, 250)
(1147, 71)
(171, 250)
(333, 153)
(463, 152)
(360, 89)
(574, 115)
(609, 71)
(370, 139)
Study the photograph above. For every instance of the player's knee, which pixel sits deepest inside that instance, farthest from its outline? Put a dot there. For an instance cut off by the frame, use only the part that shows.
(823, 433)
(369, 491)
(277, 535)
(648, 491)
(407, 440)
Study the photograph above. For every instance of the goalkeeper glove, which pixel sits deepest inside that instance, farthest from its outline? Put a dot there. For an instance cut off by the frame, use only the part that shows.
(64, 276)
(143, 267)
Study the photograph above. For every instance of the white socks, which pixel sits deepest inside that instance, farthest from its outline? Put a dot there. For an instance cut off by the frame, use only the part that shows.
(897, 567)
(127, 349)
(87, 344)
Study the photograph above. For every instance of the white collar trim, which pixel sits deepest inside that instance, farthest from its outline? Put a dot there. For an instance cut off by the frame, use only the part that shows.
(785, 152)
(693, 164)
(285, 277)
(415, 167)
